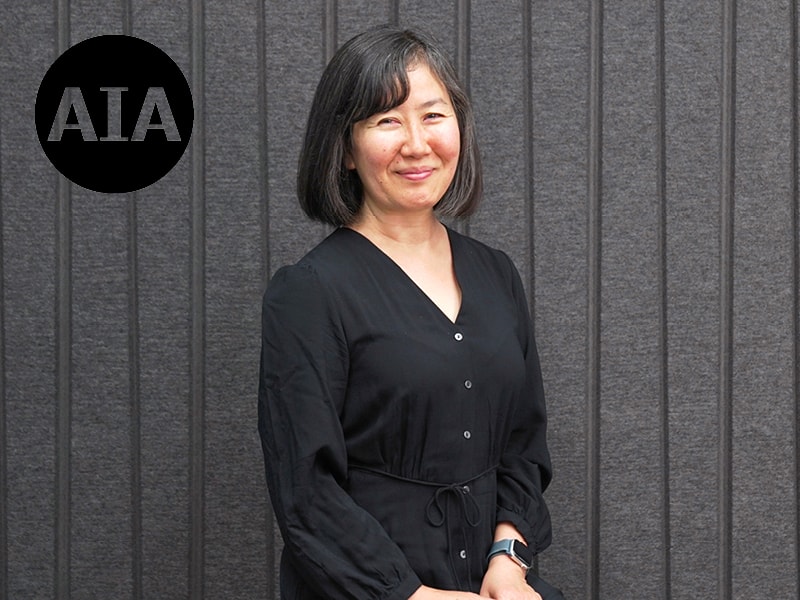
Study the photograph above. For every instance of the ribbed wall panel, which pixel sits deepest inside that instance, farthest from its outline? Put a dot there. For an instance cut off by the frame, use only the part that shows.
(641, 169)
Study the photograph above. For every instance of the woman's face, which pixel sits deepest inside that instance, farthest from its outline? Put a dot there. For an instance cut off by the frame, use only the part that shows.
(407, 157)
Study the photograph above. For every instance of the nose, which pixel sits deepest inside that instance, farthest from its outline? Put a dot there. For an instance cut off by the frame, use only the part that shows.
(416, 142)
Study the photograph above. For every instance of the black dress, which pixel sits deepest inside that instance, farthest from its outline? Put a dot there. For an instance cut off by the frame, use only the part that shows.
(395, 439)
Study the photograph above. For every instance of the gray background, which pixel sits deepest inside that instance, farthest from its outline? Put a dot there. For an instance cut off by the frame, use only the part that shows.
(641, 163)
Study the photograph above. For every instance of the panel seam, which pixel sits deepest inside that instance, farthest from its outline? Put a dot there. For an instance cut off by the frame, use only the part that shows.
(594, 259)
(661, 174)
(197, 307)
(727, 201)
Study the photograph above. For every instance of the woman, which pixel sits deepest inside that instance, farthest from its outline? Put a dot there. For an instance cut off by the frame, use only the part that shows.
(401, 409)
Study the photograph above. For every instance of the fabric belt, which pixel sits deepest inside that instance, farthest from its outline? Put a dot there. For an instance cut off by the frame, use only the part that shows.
(436, 511)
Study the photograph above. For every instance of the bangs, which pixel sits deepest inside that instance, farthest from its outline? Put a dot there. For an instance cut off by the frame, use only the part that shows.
(384, 85)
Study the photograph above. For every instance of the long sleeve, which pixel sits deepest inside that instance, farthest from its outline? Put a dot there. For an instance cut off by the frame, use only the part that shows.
(525, 469)
(336, 547)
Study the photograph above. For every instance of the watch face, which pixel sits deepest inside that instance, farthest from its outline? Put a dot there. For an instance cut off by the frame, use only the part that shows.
(523, 553)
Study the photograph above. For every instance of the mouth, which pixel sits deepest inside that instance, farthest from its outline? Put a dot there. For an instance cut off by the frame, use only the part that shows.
(416, 173)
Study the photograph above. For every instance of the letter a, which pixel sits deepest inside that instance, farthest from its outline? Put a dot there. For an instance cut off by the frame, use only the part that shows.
(84, 124)
(156, 98)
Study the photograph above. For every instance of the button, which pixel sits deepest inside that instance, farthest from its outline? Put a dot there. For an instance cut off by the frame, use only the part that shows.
(463, 554)
(459, 336)
(468, 384)
(467, 434)
(465, 489)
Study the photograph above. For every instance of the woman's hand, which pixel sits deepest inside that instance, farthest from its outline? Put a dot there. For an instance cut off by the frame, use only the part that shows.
(427, 593)
(505, 580)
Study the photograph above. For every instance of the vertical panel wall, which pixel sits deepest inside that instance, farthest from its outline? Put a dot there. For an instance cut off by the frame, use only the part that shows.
(29, 365)
(641, 169)
(693, 55)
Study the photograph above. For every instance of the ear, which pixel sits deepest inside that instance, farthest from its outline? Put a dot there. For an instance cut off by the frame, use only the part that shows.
(349, 164)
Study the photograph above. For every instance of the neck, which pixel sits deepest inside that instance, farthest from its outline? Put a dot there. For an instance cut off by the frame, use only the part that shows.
(404, 229)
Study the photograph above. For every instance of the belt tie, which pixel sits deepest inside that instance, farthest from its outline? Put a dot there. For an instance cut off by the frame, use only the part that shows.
(436, 509)
(437, 513)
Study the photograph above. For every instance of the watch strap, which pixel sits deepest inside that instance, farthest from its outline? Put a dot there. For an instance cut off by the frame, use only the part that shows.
(515, 550)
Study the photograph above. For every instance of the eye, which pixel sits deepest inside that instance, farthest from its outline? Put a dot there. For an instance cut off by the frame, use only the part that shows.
(386, 121)
(434, 116)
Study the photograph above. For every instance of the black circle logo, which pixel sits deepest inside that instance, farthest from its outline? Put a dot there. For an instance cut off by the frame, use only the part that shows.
(114, 113)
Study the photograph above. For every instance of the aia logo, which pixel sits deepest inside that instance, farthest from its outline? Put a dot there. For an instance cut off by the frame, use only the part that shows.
(114, 113)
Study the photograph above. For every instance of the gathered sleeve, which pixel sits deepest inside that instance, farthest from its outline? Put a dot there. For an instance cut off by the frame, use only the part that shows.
(525, 469)
(338, 548)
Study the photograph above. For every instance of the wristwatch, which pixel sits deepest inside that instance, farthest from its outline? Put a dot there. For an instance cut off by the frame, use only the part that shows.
(516, 550)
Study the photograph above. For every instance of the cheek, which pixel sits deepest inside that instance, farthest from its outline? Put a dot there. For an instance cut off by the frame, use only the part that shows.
(376, 154)
(369, 162)
(450, 146)
(379, 159)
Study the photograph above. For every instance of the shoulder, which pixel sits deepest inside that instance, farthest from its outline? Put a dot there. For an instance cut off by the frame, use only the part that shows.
(317, 278)
(484, 256)
(326, 262)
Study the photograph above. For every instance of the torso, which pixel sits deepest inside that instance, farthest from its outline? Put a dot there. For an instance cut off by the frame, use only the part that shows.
(427, 401)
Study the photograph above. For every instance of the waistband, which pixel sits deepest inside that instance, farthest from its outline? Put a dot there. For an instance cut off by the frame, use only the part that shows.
(436, 510)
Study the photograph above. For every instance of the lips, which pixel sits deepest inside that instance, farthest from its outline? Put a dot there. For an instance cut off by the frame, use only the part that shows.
(416, 173)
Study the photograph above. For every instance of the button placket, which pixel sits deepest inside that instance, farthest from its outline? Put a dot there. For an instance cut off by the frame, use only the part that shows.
(459, 337)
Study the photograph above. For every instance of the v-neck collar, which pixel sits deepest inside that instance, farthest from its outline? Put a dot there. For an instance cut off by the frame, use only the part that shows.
(454, 255)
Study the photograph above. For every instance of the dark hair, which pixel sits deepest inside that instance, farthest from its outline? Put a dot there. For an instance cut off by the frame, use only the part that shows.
(367, 75)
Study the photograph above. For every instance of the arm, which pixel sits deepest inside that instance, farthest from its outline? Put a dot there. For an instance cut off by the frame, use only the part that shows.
(525, 469)
(339, 549)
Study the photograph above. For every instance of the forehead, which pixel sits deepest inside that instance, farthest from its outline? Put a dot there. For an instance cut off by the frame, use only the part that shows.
(425, 86)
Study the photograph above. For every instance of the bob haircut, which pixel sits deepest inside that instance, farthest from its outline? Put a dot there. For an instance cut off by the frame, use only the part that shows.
(367, 75)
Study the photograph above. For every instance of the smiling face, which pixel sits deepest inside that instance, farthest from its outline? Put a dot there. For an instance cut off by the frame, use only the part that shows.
(407, 156)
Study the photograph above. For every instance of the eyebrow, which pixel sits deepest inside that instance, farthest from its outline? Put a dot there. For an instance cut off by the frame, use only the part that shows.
(423, 106)
(432, 102)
